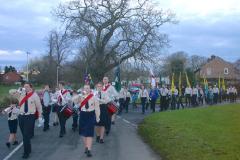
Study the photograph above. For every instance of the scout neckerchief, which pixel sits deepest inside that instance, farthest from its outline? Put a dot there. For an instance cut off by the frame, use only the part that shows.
(86, 100)
(25, 98)
(106, 87)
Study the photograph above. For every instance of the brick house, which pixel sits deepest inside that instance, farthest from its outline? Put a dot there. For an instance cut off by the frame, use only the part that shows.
(10, 78)
(216, 67)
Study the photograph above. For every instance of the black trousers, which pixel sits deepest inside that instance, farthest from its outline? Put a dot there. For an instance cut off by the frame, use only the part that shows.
(173, 102)
(62, 121)
(143, 102)
(180, 102)
(108, 123)
(122, 104)
(194, 100)
(188, 100)
(215, 98)
(164, 103)
(75, 120)
(153, 104)
(127, 104)
(46, 114)
(26, 124)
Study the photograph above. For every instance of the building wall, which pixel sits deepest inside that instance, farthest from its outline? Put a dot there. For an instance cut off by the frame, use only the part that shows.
(218, 67)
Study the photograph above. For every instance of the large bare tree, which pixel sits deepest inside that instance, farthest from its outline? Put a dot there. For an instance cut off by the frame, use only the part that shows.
(113, 31)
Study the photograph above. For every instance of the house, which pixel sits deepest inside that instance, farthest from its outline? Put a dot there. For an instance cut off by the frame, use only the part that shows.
(217, 67)
(10, 78)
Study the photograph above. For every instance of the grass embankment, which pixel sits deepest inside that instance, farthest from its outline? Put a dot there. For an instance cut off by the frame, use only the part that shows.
(211, 133)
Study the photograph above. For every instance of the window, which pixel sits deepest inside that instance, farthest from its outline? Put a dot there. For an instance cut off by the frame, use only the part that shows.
(209, 71)
(225, 70)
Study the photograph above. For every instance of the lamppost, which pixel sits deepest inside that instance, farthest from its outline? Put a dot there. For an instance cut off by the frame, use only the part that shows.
(27, 65)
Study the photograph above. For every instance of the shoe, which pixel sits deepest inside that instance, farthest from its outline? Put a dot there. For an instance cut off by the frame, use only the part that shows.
(15, 143)
(8, 144)
(101, 141)
(107, 133)
(98, 139)
(113, 122)
(60, 136)
(54, 124)
(89, 154)
(86, 150)
(44, 129)
(25, 156)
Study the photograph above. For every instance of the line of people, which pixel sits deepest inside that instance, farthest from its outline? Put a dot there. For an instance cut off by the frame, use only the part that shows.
(175, 98)
(89, 109)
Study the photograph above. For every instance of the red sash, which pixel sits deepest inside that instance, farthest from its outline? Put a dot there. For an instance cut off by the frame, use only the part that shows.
(86, 100)
(64, 92)
(106, 87)
(25, 98)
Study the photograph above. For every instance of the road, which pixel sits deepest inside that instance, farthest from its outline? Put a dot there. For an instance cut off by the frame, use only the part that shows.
(122, 144)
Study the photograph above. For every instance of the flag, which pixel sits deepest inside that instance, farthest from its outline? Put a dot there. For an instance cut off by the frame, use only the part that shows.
(153, 79)
(117, 79)
(88, 79)
(172, 86)
(223, 84)
(219, 82)
(188, 83)
(205, 85)
(180, 84)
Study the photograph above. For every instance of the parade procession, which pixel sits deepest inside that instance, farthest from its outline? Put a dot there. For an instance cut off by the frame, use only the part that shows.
(93, 111)
(119, 80)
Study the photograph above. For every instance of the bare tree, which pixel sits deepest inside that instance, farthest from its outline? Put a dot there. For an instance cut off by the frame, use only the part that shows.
(113, 31)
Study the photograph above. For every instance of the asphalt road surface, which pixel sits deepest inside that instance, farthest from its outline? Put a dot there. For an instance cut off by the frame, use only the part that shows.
(123, 143)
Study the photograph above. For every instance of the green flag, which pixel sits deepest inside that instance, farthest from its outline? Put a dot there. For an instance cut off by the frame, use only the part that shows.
(117, 79)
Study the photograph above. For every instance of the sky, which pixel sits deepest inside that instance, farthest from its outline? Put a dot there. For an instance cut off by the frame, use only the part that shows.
(205, 27)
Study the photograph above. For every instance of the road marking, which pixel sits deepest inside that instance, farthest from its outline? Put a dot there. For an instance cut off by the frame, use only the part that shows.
(128, 122)
(15, 150)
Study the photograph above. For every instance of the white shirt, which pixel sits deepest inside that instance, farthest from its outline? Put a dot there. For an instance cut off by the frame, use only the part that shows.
(175, 92)
(122, 94)
(195, 91)
(188, 90)
(143, 93)
(164, 91)
(14, 112)
(113, 94)
(66, 98)
(215, 90)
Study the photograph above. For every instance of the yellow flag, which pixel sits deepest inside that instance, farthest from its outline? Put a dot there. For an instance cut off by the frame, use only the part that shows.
(219, 82)
(180, 84)
(172, 87)
(223, 84)
(188, 83)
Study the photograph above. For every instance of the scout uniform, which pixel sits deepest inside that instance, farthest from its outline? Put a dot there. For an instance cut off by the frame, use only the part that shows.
(128, 98)
(188, 95)
(164, 93)
(174, 98)
(143, 95)
(64, 98)
(30, 104)
(215, 94)
(112, 93)
(194, 96)
(46, 109)
(122, 98)
(75, 104)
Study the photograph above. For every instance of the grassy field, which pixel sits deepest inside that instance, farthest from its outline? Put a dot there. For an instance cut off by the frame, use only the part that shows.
(211, 133)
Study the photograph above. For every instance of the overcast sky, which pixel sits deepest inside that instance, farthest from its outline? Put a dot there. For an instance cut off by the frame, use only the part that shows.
(205, 27)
